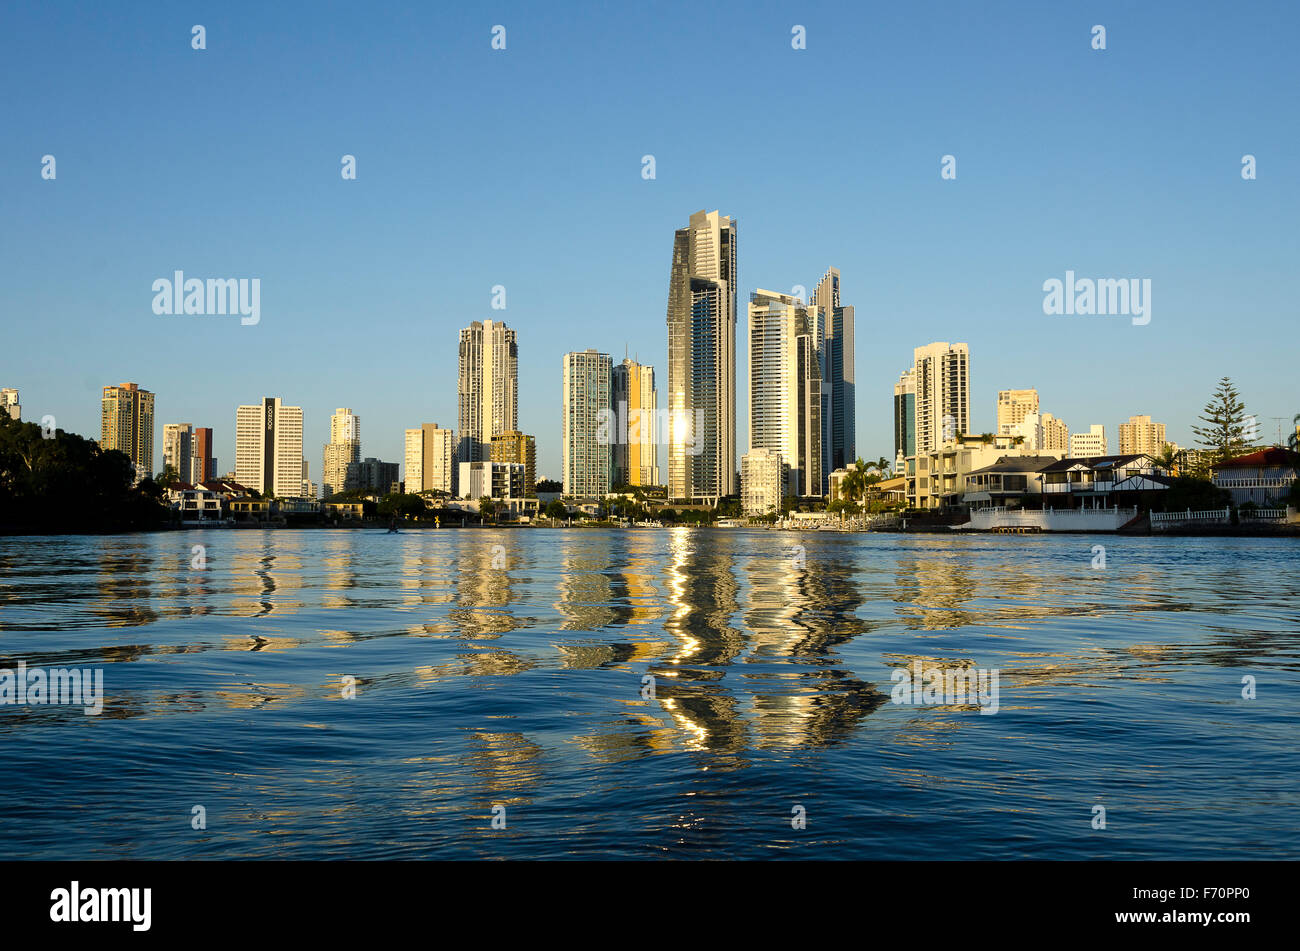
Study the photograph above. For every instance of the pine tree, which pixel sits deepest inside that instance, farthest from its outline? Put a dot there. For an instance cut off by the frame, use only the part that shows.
(1224, 432)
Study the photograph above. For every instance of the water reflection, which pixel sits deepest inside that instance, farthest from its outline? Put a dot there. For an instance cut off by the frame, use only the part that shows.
(506, 667)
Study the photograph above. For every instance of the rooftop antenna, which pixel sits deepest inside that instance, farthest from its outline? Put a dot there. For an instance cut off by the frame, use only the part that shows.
(1280, 421)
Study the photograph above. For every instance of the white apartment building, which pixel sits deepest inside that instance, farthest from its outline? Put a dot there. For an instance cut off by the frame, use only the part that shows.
(496, 480)
(762, 481)
(942, 394)
(1092, 443)
(785, 395)
(268, 448)
(587, 425)
(178, 443)
(343, 449)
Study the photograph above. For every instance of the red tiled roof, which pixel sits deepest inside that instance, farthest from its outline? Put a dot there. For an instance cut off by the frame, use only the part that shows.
(1262, 457)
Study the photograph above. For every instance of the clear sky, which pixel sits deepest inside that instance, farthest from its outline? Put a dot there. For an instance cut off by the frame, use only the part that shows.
(522, 168)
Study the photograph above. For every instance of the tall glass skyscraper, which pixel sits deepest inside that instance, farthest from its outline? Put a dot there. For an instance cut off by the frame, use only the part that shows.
(702, 360)
(832, 326)
(785, 388)
(636, 404)
(905, 416)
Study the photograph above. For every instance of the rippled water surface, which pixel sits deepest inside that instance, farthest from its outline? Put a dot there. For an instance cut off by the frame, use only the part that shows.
(504, 668)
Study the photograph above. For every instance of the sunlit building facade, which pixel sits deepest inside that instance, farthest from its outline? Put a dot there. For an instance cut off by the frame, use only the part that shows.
(702, 360)
(126, 417)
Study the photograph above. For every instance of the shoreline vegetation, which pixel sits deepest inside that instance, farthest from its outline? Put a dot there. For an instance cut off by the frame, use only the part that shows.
(59, 483)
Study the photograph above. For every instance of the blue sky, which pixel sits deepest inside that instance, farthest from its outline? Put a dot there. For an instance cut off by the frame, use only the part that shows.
(522, 168)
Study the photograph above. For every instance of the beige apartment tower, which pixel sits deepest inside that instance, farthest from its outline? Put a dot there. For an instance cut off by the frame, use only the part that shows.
(1056, 435)
(487, 388)
(127, 424)
(343, 449)
(430, 460)
(1013, 407)
(521, 448)
(1139, 434)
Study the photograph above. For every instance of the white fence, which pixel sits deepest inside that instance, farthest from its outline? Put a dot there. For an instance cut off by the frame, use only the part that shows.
(1050, 520)
(1264, 515)
(1163, 520)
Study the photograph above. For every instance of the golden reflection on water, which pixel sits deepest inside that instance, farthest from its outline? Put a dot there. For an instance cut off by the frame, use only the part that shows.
(750, 647)
(125, 583)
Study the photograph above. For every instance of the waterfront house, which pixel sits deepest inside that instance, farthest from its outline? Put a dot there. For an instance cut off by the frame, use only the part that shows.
(1263, 477)
(1010, 480)
(251, 509)
(194, 502)
(343, 509)
(889, 490)
(1093, 482)
(938, 479)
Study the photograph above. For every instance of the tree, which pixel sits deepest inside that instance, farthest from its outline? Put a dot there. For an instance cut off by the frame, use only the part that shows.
(1196, 494)
(69, 484)
(401, 505)
(854, 485)
(487, 508)
(728, 508)
(169, 476)
(555, 510)
(1171, 458)
(1224, 432)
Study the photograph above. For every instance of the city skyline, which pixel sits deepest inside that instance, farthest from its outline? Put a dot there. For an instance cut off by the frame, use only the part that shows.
(347, 267)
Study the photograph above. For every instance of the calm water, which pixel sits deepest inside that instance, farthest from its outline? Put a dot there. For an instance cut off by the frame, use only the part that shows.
(520, 685)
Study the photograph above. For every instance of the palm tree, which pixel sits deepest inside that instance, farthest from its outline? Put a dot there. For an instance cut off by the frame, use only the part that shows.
(855, 482)
(1170, 458)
